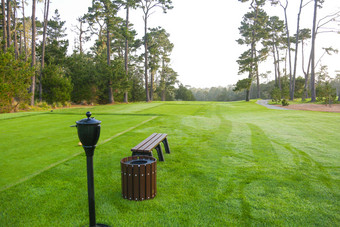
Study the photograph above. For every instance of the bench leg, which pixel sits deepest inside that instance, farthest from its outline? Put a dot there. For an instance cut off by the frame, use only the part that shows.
(160, 153)
(166, 145)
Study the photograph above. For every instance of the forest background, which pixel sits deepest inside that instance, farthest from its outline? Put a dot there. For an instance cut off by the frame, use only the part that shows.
(122, 65)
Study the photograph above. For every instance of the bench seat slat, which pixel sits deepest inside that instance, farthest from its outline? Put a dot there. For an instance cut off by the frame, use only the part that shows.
(137, 147)
(151, 144)
(146, 142)
(141, 144)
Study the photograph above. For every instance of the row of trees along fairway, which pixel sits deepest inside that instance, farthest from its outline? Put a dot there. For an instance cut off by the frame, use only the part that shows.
(265, 35)
(115, 68)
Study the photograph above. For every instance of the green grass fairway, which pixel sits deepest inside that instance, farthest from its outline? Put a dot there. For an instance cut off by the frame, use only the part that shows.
(234, 164)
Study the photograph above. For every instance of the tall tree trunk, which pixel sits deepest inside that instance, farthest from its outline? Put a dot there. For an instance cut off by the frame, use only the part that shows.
(257, 77)
(252, 51)
(8, 23)
(146, 59)
(248, 94)
(126, 54)
(81, 32)
(46, 9)
(289, 53)
(33, 51)
(152, 74)
(304, 72)
(313, 92)
(296, 48)
(108, 53)
(275, 63)
(20, 42)
(4, 26)
(16, 49)
(306, 79)
(111, 98)
(24, 28)
(278, 68)
(163, 95)
(81, 37)
(163, 80)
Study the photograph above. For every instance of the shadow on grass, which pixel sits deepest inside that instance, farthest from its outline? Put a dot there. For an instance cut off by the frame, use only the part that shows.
(80, 114)
(113, 114)
(23, 115)
(306, 164)
(263, 157)
(262, 149)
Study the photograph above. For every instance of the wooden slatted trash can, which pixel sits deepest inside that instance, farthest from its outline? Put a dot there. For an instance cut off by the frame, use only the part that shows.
(139, 177)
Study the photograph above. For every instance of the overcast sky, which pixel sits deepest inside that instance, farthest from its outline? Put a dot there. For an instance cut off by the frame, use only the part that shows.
(204, 34)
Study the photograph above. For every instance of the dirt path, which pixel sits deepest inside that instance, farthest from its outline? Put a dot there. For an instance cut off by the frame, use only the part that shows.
(265, 103)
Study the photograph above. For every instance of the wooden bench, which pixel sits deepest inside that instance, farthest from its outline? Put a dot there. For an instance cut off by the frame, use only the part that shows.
(152, 142)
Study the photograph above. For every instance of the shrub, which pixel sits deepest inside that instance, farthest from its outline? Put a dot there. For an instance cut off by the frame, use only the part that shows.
(81, 69)
(67, 104)
(285, 102)
(23, 106)
(15, 80)
(56, 86)
(326, 93)
(43, 105)
(276, 95)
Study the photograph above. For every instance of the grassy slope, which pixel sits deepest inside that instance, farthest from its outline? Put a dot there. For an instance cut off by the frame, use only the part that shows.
(231, 164)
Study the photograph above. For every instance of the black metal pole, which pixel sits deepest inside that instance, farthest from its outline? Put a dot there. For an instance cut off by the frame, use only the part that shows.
(88, 133)
(90, 189)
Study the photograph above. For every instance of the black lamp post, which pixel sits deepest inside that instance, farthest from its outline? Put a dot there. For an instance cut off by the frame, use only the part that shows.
(88, 133)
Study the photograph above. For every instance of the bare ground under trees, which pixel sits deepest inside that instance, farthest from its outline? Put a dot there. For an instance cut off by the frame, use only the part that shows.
(314, 107)
(305, 106)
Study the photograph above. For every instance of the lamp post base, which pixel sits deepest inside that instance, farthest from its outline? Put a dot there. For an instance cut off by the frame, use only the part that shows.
(97, 225)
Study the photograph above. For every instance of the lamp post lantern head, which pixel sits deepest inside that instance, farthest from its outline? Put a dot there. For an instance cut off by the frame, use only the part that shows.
(88, 133)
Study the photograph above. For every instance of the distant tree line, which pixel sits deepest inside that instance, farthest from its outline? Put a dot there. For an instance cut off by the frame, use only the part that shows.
(35, 66)
(327, 90)
(227, 94)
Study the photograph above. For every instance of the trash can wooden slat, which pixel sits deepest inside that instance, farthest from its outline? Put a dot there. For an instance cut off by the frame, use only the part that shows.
(130, 184)
(142, 182)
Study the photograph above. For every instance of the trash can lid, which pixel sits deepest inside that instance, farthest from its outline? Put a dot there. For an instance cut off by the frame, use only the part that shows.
(139, 162)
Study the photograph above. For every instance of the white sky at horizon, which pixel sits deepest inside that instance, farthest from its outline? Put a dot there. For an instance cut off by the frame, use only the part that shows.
(204, 34)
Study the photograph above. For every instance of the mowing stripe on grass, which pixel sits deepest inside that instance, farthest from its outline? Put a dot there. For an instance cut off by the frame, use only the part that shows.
(127, 130)
(40, 171)
(72, 156)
